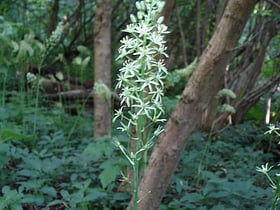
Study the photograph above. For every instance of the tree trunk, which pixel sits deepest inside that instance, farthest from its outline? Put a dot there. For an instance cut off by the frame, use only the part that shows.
(251, 98)
(102, 66)
(167, 10)
(203, 84)
(242, 75)
(53, 17)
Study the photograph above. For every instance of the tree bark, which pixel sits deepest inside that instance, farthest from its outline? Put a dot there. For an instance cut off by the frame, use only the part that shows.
(203, 84)
(243, 75)
(167, 10)
(102, 66)
(53, 17)
(252, 97)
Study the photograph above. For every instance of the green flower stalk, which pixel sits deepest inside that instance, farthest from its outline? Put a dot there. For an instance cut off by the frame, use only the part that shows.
(141, 81)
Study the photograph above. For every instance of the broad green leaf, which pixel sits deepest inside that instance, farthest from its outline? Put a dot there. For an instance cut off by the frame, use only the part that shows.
(16, 207)
(94, 194)
(34, 199)
(98, 149)
(4, 113)
(82, 49)
(49, 191)
(65, 195)
(2, 203)
(31, 199)
(5, 189)
(108, 175)
(120, 196)
(85, 61)
(77, 61)
(192, 197)
(27, 172)
(59, 75)
(82, 185)
(4, 148)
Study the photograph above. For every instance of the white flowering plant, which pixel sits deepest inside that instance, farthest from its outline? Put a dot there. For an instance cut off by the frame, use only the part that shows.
(265, 169)
(141, 81)
(51, 42)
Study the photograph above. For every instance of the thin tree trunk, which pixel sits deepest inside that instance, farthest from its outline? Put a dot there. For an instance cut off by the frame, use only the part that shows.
(268, 104)
(53, 17)
(102, 66)
(203, 84)
(268, 109)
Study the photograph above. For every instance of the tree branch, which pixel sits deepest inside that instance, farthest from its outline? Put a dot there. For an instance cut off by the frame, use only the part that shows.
(274, 3)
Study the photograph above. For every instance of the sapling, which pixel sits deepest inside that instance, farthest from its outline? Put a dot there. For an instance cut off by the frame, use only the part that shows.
(140, 81)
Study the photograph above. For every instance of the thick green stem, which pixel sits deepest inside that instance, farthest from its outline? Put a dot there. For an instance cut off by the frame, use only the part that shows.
(138, 156)
(136, 181)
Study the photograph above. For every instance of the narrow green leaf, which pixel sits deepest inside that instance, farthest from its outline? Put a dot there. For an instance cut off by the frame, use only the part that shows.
(8, 134)
(55, 202)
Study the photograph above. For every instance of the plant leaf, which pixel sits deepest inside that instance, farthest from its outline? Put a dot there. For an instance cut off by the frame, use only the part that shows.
(108, 175)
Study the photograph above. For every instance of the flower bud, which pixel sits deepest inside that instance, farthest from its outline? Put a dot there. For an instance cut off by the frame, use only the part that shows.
(138, 5)
(140, 15)
(160, 20)
(133, 18)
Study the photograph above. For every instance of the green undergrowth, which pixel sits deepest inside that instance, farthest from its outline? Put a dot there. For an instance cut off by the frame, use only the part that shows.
(226, 178)
(62, 167)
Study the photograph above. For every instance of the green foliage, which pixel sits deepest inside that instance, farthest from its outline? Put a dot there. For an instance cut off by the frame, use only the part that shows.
(57, 165)
(56, 168)
(228, 177)
(11, 199)
(62, 167)
(177, 80)
(256, 112)
(274, 182)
